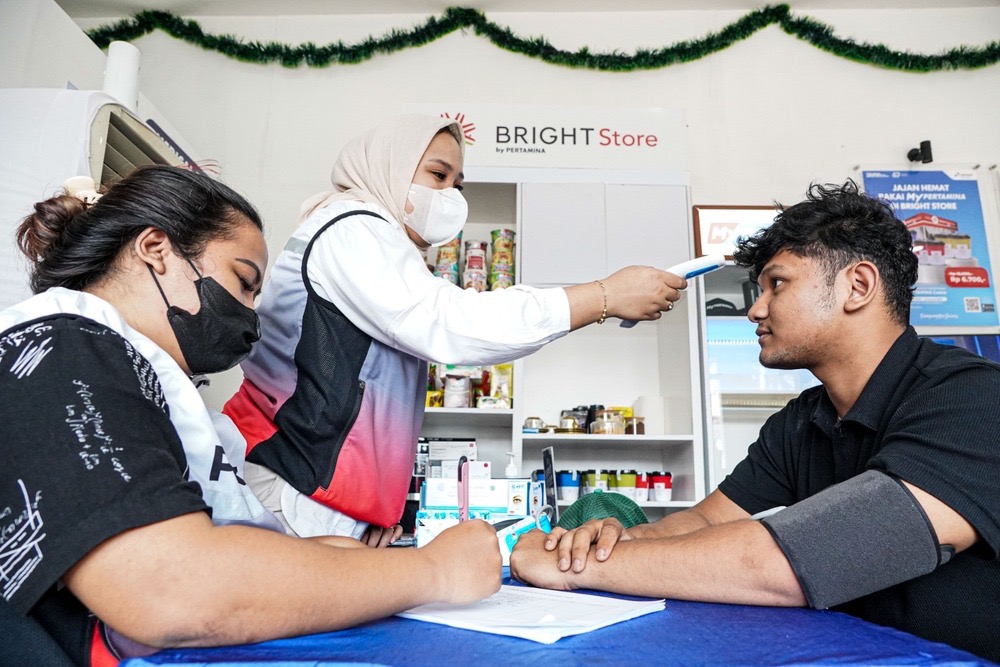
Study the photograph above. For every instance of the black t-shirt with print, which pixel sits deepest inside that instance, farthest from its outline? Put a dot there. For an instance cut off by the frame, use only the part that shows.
(88, 452)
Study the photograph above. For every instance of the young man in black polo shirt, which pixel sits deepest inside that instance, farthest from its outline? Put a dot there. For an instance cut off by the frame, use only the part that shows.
(886, 473)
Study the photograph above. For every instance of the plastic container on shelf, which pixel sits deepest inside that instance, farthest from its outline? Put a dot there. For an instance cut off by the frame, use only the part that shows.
(593, 480)
(641, 487)
(457, 391)
(623, 482)
(607, 422)
(661, 486)
(568, 485)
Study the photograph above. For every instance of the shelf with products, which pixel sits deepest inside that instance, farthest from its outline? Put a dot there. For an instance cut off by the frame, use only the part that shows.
(540, 440)
(469, 416)
(491, 209)
(677, 460)
(656, 364)
(492, 206)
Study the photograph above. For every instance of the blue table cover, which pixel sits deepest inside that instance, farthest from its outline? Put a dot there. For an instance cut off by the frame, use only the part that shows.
(685, 633)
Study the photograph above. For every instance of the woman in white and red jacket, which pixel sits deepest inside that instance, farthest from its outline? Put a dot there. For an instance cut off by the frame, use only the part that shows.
(333, 397)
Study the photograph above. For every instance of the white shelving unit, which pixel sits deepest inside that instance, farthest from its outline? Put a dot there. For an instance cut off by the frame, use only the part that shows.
(602, 364)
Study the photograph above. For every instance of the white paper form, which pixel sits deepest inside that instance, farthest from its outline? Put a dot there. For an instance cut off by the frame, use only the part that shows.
(535, 613)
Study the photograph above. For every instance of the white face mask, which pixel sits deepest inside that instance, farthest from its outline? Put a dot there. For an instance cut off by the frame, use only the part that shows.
(438, 215)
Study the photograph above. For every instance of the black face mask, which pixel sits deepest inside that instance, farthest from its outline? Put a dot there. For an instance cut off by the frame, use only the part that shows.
(217, 337)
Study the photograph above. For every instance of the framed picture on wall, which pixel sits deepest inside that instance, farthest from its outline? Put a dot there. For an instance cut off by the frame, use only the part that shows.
(716, 228)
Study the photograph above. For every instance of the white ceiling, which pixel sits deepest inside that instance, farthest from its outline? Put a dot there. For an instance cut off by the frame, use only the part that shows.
(121, 8)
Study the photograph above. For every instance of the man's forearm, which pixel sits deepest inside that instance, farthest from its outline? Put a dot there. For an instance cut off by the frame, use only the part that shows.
(678, 523)
(736, 562)
(715, 509)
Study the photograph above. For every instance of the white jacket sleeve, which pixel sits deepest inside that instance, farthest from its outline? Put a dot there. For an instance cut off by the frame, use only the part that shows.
(371, 270)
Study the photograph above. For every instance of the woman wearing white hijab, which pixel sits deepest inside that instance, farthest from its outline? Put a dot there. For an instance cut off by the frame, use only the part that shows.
(333, 397)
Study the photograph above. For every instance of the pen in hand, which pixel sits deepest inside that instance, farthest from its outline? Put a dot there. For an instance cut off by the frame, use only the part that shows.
(463, 489)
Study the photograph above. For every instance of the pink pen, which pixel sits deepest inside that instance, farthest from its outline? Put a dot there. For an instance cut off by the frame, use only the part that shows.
(463, 489)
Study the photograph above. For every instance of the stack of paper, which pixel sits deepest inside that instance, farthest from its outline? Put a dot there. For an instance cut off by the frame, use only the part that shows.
(534, 613)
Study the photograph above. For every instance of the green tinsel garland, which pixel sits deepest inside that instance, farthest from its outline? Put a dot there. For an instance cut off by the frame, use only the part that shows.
(458, 18)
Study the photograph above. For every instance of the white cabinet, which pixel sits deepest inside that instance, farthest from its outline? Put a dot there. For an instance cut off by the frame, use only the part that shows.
(575, 232)
(561, 234)
(571, 233)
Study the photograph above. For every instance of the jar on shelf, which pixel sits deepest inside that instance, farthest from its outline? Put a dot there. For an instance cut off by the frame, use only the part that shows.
(457, 391)
(532, 424)
(608, 422)
(635, 426)
(591, 415)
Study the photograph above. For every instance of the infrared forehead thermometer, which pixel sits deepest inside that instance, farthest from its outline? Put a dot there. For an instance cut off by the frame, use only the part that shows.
(688, 270)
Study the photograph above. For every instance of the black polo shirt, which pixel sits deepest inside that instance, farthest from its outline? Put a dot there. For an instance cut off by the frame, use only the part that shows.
(929, 415)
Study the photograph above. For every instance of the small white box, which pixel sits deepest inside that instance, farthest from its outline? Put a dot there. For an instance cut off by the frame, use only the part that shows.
(480, 470)
(451, 449)
(477, 470)
(536, 497)
(518, 496)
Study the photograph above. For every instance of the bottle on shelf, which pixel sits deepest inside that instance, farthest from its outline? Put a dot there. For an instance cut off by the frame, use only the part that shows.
(511, 471)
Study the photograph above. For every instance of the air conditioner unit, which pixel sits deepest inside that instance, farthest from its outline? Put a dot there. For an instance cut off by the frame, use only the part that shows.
(120, 143)
(47, 136)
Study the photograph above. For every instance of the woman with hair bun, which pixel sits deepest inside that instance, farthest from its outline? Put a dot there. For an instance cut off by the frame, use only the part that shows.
(122, 512)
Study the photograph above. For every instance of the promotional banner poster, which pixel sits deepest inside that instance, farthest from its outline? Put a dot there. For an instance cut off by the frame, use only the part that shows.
(567, 137)
(943, 211)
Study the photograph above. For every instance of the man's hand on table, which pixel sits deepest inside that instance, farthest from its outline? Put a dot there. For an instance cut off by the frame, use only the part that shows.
(550, 561)
(531, 563)
(598, 536)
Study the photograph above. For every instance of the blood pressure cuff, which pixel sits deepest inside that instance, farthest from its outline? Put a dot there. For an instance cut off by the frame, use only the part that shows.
(854, 538)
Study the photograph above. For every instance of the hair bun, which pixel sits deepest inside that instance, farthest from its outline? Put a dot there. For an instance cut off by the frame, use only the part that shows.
(47, 224)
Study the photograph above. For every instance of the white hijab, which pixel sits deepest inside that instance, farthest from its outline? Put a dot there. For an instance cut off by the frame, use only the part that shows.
(378, 166)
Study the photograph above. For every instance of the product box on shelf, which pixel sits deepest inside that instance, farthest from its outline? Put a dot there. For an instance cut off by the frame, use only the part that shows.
(444, 453)
(517, 497)
(449, 470)
(420, 462)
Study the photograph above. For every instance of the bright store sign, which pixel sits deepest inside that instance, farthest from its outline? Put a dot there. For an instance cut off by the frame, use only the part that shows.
(568, 137)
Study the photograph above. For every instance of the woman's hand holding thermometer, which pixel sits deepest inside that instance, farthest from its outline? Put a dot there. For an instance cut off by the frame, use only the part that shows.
(687, 270)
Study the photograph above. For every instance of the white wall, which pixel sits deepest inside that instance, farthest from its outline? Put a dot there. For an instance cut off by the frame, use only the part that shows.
(41, 47)
(766, 116)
